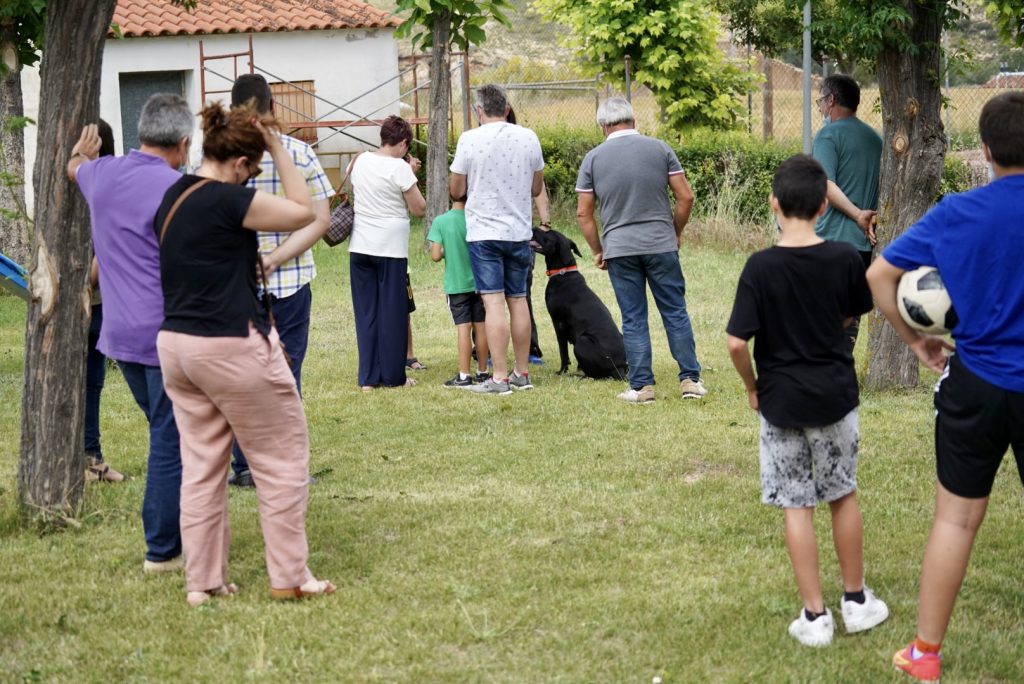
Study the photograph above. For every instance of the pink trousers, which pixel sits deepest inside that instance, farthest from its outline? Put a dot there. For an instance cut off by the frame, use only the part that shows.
(241, 387)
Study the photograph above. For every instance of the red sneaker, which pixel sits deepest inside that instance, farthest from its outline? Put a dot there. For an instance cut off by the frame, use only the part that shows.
(926, 668)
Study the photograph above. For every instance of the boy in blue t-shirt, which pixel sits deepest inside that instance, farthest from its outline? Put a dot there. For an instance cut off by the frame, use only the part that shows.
(976, 240)
(794, 299)
(447, 239)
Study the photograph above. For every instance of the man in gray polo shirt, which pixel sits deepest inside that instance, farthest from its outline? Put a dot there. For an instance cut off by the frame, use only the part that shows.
(639, 242)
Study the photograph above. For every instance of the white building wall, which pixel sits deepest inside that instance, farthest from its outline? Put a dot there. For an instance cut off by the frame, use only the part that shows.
(343, 64)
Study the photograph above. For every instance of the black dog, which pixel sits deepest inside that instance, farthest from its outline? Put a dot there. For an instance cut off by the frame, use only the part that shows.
(579, 316)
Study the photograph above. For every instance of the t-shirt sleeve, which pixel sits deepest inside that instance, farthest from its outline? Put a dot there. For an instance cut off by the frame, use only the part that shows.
(916, 246)
(745, 320)
(316, 180)
(585, 178)
(674, 167)
(402, 176)
(436, 233)
(860, 301)
(460, 164)
(824, 151)
(85, 175)
(234, 203)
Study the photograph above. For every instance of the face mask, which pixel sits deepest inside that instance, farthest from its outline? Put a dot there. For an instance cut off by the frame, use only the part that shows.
(826, 120)
(991, 173)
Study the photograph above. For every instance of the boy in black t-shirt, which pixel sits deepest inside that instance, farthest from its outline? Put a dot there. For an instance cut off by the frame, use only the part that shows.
(795, 298)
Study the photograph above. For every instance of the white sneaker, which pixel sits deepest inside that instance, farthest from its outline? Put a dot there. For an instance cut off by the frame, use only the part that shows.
(638, 396)
(858, 617)
(816, 633)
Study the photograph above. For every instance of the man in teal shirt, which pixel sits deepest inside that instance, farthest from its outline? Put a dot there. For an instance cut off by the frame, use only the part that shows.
(850, 152)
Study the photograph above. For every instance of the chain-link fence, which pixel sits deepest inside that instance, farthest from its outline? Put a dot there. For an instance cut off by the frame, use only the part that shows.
(548, 88)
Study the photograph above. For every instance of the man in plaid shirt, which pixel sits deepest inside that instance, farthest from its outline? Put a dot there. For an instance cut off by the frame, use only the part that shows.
(287, 257)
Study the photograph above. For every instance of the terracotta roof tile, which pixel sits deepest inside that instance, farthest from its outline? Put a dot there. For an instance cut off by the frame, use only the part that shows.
(161, 18)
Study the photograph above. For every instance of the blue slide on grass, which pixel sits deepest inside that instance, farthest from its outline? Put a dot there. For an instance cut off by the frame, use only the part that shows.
(13, 277)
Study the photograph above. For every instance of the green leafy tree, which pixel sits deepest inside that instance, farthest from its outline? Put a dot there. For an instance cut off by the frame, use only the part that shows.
(900, 40)
(673, 48)
(437, 25)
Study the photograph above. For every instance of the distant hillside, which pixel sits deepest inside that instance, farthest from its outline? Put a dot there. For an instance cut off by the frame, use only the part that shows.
(528, 38)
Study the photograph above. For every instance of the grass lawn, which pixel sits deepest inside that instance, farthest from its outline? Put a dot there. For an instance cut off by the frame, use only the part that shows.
(556, 535)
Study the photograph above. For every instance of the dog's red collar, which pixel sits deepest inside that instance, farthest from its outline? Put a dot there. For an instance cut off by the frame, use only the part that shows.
(560, 271)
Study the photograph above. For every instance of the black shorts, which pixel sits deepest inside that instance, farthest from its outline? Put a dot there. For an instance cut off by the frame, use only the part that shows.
(467, 307)
(408, 292)
(975, 423)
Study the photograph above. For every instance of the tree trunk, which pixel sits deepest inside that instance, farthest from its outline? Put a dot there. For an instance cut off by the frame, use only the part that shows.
(912, 159)
(437, 126)
(51, 469)
(15, 240)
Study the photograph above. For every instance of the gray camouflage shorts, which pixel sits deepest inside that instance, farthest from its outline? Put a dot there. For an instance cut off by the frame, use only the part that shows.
(800, 467)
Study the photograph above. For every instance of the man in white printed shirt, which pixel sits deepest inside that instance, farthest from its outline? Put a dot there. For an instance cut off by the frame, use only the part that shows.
(287, 257)
(501, 167)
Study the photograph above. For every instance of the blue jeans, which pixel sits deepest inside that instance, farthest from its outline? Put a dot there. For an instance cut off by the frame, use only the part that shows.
(161, 502)
(291, 318)
(95, 372)
(500, 266)
(630, 276)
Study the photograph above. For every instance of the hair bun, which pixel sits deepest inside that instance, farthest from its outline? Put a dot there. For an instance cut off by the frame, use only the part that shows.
(214, 117)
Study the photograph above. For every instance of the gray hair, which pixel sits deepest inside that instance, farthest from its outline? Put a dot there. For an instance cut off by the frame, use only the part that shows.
(491, 99)
(614, 111)
(165, 120)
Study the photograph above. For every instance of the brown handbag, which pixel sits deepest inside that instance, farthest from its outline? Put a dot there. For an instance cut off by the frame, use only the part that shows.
(343, 216)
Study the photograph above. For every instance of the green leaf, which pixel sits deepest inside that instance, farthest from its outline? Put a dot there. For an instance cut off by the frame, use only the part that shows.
(475, 34)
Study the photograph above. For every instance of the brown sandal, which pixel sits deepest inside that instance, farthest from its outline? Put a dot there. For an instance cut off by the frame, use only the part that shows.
(98, 471)
(323, 588)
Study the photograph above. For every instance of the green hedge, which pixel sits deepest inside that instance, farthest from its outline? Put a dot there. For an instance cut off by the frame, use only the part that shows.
(715, 163)
(730, 173)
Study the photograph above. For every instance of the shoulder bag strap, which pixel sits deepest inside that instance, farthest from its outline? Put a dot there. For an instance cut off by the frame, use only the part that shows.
(351, 167)
(177, 203)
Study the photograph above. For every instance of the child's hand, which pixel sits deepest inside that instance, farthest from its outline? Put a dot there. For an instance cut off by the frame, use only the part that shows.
(752, 400)
(931, 350)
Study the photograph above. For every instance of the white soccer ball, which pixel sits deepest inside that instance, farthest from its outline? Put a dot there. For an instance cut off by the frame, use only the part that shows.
(924, 303)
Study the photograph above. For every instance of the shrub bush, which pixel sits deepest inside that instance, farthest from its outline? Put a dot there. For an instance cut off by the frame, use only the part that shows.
(958, 176)
(726, 170)
(730, 173)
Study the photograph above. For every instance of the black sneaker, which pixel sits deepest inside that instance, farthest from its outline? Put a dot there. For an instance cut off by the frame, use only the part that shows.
(459, 381)
(482, 377)
(241, 479)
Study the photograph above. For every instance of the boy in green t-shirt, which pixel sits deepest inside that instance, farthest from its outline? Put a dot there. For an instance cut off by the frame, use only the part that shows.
(447, 238)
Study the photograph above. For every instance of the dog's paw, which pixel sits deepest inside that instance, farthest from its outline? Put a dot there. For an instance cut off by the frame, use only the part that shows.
(563, 370)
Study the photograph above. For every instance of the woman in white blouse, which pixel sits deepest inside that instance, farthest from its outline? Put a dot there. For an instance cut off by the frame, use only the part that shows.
(385, 193)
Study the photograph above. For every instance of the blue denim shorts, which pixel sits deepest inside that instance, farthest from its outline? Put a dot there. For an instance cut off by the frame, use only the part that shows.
(500, 266)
